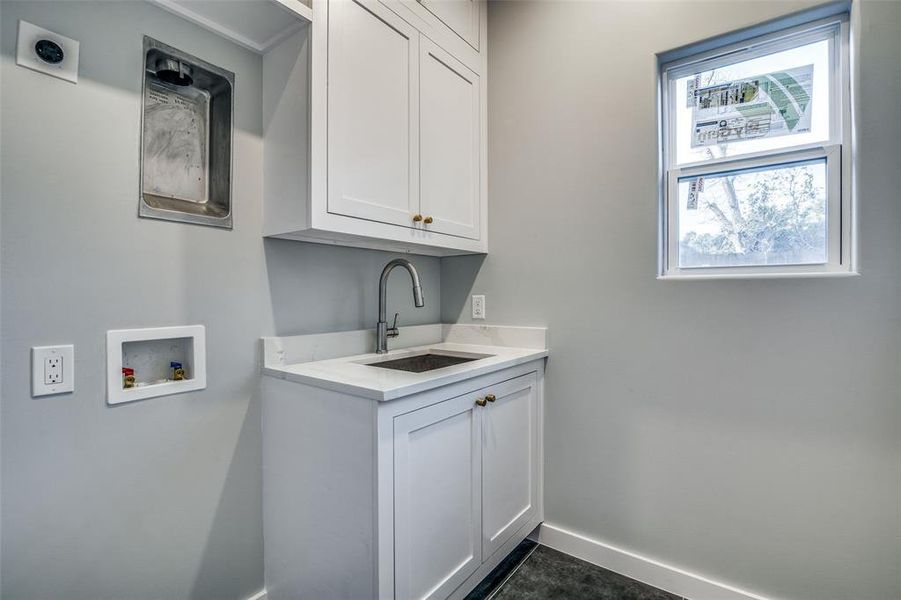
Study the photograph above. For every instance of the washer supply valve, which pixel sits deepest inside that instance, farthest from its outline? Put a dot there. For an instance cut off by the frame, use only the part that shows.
(128, 377)
(178, 373)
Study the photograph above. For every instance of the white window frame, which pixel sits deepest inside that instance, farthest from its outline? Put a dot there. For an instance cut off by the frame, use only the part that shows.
(841, 255)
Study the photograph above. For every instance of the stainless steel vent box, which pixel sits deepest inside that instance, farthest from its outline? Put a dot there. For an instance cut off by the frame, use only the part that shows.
(186, 138)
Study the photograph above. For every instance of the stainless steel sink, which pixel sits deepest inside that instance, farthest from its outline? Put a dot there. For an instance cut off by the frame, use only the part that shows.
(426, 361)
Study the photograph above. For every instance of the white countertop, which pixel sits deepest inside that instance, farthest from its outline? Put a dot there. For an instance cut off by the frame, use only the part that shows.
(349, 375)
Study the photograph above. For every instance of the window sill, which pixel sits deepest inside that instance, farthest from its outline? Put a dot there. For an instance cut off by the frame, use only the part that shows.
(709, 276)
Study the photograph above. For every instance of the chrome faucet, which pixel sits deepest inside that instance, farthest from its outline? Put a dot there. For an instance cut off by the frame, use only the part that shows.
(383, 332)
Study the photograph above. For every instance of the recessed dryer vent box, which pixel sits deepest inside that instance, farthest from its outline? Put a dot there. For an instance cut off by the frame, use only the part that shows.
(149, 353)
(186, 138)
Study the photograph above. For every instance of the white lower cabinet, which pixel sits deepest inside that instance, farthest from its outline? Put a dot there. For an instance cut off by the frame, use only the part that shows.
(444, 485)
(465, 481)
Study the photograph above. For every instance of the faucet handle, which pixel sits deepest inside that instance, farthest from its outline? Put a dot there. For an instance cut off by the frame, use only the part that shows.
(392, 331)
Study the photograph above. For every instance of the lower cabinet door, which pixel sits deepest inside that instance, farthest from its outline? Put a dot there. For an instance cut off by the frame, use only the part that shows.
(510, 459)
(437, 498)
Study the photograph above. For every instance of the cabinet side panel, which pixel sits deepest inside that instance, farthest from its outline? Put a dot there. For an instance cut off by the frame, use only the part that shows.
(317, 493)
(286, 134)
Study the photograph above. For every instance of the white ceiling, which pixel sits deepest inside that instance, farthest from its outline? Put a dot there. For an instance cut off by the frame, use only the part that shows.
(255, 24)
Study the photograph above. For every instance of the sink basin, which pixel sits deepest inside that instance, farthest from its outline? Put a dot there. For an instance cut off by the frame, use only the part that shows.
(427, 361)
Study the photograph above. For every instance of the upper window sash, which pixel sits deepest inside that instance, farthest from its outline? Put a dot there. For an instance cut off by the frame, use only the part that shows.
(829, 29)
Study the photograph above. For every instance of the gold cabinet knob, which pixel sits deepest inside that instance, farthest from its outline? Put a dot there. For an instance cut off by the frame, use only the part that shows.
(417, 218)
(481, 402)
(490, 397)
(427, 220)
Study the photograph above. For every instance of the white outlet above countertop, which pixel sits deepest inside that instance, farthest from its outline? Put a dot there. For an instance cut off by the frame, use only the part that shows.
(478, 306)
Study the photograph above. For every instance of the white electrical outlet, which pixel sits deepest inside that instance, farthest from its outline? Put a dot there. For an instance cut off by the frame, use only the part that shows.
(52, 370)
(47, 52)
(478, 307)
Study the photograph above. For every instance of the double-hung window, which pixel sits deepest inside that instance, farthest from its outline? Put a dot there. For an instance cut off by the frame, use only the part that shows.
(756, 165)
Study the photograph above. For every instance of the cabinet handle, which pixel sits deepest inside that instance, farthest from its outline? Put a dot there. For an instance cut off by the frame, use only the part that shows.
(427, 220)
(481, 402)
(417, 218)
(490, 397)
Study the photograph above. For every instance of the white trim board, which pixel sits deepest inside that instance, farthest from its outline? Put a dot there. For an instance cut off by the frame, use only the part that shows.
(666, 577)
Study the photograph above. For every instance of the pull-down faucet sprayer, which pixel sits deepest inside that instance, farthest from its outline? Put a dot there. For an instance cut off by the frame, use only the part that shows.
(383, 332)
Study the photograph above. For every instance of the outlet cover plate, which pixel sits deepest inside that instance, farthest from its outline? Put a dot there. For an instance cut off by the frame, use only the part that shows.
(39, 357)
(478, 306)
(27, 56)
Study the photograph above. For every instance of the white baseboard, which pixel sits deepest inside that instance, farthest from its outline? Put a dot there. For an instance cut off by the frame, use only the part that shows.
(261, 595)
(672, 579)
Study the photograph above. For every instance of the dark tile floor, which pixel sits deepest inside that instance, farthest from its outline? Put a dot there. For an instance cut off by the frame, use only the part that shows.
(547, 574)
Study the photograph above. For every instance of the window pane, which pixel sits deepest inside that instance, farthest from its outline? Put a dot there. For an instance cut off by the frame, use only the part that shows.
(753, 217)
(766, 103)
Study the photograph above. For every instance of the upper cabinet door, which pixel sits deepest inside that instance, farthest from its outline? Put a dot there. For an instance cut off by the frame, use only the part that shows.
(449, 143)
(437, 498)
(510, 460)
(462, 16)
(372, 113)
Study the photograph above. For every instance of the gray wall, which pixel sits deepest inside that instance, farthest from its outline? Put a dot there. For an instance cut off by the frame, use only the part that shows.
(745, 430)
(161, 498)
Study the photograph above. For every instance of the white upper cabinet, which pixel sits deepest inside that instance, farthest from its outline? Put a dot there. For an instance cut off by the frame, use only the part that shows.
(461, 16)
(449, 143)
(372, 124)
(394, 132)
